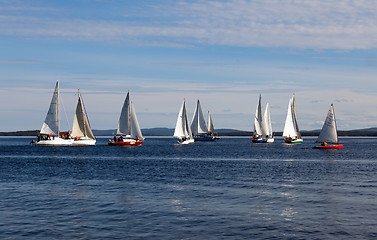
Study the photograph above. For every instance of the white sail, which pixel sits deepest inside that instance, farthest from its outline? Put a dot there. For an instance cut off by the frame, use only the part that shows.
(198, 124)
(81, 127)
(259, 122)
(124, 124)
(258, 118)
(211, 129)
(267, 118)
(135, 128)
(291, 126)
(182, 128)
(51, 123)
(329, 131)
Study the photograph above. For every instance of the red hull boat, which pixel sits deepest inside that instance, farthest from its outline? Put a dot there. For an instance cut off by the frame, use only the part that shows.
(128, 143)
(340, 146)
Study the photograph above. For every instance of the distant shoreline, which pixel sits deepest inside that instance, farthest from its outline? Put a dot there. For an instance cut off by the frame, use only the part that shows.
(220, 132)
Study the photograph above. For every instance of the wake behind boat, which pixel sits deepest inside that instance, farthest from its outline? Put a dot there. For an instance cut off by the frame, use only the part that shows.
(182, 129)
(128, 127)
(50, 134)
(291, 131)
(81, 130)
(329, 133)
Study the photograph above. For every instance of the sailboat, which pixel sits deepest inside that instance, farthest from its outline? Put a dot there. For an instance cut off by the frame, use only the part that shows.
(198, 125)
(329, 132)
(267, 118)
(260, 127)
(210, 127)
(49, 134)
(182, 129)
(81, 130)
(291, 131)
(128, 127)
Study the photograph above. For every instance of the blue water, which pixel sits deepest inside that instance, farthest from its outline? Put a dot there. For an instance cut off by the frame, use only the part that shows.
(230, 189)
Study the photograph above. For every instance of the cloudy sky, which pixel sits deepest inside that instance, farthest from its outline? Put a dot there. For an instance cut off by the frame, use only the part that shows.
(222, 52)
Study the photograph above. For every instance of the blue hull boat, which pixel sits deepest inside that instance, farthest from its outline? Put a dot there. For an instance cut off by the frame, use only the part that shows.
(204, 139)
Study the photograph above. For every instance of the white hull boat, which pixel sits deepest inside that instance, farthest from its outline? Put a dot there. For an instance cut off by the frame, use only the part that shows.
(55, 141)
(50, 134)
(129, 131)
(81, 130)
(262, 124)
(182, 129)
(84, 142)
(291, 131)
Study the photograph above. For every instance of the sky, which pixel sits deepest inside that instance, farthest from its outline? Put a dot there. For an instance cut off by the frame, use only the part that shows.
(224, 53)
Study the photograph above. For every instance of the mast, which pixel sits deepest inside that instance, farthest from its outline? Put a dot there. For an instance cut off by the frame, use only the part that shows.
(82, 115)
(57, 108)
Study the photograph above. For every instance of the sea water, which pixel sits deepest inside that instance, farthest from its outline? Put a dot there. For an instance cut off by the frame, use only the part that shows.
(229, 189)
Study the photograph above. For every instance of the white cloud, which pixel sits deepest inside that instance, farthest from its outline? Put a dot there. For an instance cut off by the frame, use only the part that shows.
(295, 24)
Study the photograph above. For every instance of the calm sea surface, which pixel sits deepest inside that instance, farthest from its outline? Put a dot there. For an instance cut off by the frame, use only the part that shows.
(230, 189)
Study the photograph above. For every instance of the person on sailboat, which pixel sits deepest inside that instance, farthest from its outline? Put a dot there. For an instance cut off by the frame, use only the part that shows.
(324, 144)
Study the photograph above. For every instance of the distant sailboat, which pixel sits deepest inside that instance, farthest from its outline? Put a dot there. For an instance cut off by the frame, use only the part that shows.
(128, 127)
(198, 125)
(260, 126)
(267, 118)
(329, 132)
(81, 130)
(211, 129)
(182, 129)
(291, 131)
(49, 134)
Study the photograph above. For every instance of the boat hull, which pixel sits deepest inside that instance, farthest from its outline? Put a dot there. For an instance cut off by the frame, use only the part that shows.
(338, 146)
(126, 142)
(259, 140)
(57, 141)
(187, 141)
(204, 139)
(84, 142)
(270, 140)
(262, 140)
(293, 141)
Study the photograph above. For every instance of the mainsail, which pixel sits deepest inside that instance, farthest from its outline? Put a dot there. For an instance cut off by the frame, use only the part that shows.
(51, 123)
(291, 126)
(329, 131)
(128, 124)
(198, 124)
(81, 127)
(267, 118)
(211, 129)
(259, 122)
(182, 128)
(124, 124)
